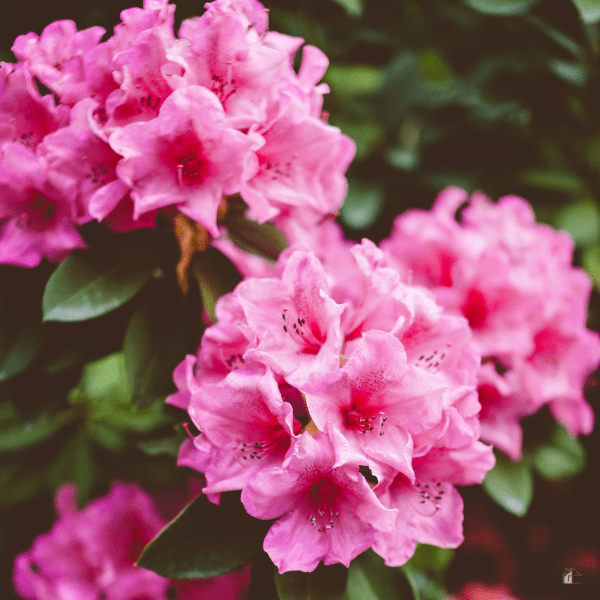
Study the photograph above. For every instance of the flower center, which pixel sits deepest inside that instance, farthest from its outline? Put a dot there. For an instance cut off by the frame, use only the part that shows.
(364, 423)
(427, 497)
(39, 215)
(187, 157)
(248, 453)
(296, 327)
(323, 500)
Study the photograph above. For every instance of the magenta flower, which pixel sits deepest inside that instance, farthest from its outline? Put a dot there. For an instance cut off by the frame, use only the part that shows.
(430, 510)
(328, 513)
(513, 280)
(372, 404)
(301, 165)
(250, 426)
(58, 58)
(188, 156)
(26, 116)
(90, 554)
(296, 323)
(86, 165)
(35, 218)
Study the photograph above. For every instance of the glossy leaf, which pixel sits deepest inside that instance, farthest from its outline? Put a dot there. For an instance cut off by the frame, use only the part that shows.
(324, 583)
(368, 577)
(93, 282)
(563, 457)
(205, 540)
(510, 484)
(158, 336)
(589, 10)
(215, 275)
(16, 435)
(501, 7)
(363, 204)
(352, 7)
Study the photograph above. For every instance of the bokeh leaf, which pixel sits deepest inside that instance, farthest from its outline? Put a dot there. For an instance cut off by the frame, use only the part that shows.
(205, 540)
(588, 9)
(510, 485)
(501, 7)
(324, 583)
(563, 457)
(362, 205)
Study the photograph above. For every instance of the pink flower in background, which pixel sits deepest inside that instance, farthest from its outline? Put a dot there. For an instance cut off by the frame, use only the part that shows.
(327, 513)
(90, 554)
(513, 280)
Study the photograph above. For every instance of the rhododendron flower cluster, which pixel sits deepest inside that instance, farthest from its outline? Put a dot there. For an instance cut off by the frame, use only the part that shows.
(147, 121)
(90, 554)
(513, 279)
(319, 370)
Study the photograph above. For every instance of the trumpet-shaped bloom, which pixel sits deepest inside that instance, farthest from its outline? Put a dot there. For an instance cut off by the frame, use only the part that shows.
(328, 513)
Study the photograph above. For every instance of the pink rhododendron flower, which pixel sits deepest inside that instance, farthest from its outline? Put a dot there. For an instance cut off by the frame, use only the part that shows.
(86, 165)
(35, 218)
(26, 116)
(188, 156)
(327, 513)
(90, 554)
(372, 404)
(513, 279)
(246, 420)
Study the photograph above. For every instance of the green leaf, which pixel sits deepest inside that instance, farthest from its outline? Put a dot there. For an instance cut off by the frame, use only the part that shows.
(431, 558)
(158, 336)
(589, 10)
(368, 577)
(16, 435)
(553, 180)
(570, 72)
(205, 540)
(354, 80)
(362, 205)
(582, 221)
(591, 263)
(324, 583)
(424, 587)
(216, 276)
(563, 457)
(18, 486)
(75, 463)
(501, 7)
(264, 240)
(510, 485)
(164, 446)
(352, 7)
(17, 353)
(104, 384)
(90, 283)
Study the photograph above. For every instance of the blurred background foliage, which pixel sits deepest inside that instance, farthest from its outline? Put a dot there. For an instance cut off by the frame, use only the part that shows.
(497, 95)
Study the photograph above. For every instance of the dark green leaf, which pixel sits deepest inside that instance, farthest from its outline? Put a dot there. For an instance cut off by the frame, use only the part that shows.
(18, 485)
(75, 463)
(158, 337)
(165, 446)
(205, 540)
(92, 282)
(591, 263)
(216, 276)
(422, 586)
(262, 582)
(501, 7)
(369, 577)
(324, 583)
(582, 221)
(589, 10)
(510, 484)
(16, 435)
(17, 353)
(563, 457)
(264, 240)
(362, 205)
(352, 7)
(431, 559)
